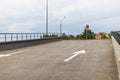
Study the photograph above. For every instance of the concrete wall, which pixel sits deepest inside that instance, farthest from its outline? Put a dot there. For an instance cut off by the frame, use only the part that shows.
(117, 54)
(20, 44)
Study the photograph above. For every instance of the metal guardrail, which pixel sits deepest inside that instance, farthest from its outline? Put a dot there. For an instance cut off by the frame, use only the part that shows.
(116, 35)
(9, 37)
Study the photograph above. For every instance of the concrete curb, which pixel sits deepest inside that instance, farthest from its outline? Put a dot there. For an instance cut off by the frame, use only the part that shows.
(26, 43)
(116, 47)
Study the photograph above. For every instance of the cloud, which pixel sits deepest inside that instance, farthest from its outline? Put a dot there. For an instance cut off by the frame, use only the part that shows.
(29, 15)
(22, 8)
(21, 27)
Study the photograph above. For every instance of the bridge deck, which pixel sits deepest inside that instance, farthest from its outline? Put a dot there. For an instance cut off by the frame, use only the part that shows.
(46, 62)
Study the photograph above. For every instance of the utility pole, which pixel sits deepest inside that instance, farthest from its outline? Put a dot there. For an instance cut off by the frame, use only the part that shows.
(46, 17)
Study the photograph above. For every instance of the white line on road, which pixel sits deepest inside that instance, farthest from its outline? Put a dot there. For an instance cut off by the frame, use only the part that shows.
(76, 54)
(18, 52)
(10, 54)
(6, 55)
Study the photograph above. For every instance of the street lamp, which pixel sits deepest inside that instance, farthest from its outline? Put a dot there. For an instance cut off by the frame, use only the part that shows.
(60, 20)
(46, 17)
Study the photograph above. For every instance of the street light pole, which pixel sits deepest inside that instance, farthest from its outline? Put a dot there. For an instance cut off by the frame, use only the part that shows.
(61, 29)
(60, 20)
(46, 17)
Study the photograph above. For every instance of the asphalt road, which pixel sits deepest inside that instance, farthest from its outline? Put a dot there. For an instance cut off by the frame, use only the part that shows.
(47, 62)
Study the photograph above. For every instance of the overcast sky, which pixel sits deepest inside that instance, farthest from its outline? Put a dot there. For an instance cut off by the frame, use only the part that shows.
(29, 15)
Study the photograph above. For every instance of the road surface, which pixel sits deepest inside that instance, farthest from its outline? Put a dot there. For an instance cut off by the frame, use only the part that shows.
(47, 61)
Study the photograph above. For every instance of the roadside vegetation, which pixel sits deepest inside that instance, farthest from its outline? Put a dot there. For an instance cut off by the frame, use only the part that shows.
(86, 34)
(50, 36)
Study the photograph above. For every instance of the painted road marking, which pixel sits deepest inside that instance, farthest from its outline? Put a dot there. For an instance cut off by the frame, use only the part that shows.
(6, 55)
(10, 54)
(75, 54)
(18, 52)
(81, 52)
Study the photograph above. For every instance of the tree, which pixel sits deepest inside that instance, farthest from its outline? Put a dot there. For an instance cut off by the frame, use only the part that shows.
(87, 34)
(78, 36)
(64, 36)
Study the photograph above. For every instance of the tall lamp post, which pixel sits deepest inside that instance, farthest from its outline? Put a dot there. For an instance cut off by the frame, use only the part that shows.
(46, 17)
(60, 21)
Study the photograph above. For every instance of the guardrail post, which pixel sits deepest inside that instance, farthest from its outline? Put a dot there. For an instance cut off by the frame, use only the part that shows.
(17, 37)
(26, 36)
(30, 36)
(11, 37)
(40, 36)
(22, 36)
(34, 36)
(5, 38)
(37, 36)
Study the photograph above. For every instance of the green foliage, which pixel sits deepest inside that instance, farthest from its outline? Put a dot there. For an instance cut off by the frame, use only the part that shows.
(87, 31)
(71, 36)
(78, 37)
(64, 36)
(50, 36)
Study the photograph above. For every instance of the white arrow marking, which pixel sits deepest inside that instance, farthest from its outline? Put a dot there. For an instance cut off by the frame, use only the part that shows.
(81, 52)
(10, 54)
(75, 54)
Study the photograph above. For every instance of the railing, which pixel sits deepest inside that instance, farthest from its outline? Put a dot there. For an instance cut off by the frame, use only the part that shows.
(9, 37)
(116, 35)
